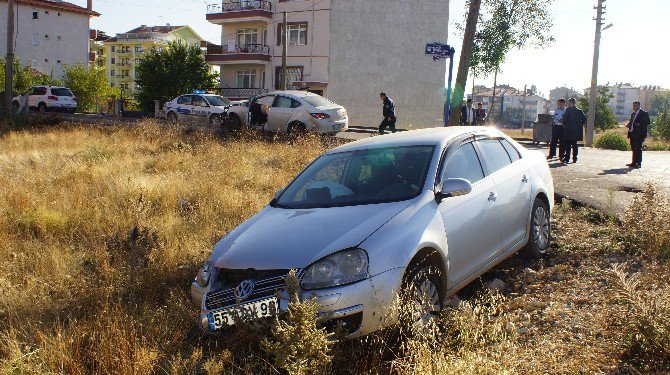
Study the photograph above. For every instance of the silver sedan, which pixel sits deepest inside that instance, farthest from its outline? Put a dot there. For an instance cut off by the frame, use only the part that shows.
(426, 210)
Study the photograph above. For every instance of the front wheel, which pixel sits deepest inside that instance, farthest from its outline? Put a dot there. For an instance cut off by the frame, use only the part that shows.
(422, 298)
(539, 232)
(215, 120)
(172, 118)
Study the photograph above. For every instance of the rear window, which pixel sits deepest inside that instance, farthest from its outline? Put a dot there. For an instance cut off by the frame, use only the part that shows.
(61, 92)
(217, 101)
(186, 99)
(317, 101)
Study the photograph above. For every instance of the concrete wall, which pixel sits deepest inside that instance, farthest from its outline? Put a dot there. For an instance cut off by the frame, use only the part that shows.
(71, 49)
(378, 45)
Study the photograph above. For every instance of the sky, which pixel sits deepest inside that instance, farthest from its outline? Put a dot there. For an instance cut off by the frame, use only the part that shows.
(633, 50)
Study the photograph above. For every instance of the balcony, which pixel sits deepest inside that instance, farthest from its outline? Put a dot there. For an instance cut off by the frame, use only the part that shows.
(239, 54)
(239, 11)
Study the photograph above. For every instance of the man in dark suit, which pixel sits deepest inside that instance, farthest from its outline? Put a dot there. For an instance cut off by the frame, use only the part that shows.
(573, 130)
(468, 114)
(389, 113)
(480, 114)
(637, 133)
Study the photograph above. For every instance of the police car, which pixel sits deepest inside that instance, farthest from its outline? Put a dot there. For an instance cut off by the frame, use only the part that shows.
(198, 107)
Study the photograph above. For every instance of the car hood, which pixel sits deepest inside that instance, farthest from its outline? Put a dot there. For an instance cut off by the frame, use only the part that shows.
(278, 238)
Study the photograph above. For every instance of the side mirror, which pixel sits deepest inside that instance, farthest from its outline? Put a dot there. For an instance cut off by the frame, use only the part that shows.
(453, 187)
(278, 193)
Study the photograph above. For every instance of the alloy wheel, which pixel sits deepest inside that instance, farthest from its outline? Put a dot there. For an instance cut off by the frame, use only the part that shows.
(541, 228)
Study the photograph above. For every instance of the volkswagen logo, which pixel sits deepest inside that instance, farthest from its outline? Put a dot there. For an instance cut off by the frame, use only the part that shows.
(244, 290)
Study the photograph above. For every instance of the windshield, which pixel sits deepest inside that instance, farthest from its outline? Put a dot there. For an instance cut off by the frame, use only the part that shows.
(61, 92)
(317, 101)
(217, 101)
(360, 177)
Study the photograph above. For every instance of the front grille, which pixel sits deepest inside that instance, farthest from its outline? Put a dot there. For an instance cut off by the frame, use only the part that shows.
(266, 284)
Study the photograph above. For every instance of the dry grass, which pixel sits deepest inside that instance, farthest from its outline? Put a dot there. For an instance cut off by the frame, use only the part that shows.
(651, 144)
(103, 229)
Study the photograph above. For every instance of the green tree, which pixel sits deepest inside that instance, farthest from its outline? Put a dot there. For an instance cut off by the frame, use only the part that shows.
(24, 77)
(165, 74)
(605, 118)
(661, 127)
(658, 104)
(89, 85)
(512, 115)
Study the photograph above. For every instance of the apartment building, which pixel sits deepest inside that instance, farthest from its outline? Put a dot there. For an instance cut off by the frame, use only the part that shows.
(120, 55)
(562, 92)
(348, 51)
(648, 94)
(48, 34)
(622, 102)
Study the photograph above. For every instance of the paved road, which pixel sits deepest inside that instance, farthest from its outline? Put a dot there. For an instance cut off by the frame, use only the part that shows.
(599, 179)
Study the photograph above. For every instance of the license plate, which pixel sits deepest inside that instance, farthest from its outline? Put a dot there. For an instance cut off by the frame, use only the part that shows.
(260, 309)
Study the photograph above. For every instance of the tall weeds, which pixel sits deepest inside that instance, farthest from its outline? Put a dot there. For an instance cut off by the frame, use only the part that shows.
(646, 224)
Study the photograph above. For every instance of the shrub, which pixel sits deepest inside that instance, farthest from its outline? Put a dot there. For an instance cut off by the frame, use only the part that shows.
(661, 126)
(612, 141)
(648, 323)
(646, 224)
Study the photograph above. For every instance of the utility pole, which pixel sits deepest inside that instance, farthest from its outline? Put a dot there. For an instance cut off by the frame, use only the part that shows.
(523, 110)
(9, 60)
(591, 121)
(284, 79)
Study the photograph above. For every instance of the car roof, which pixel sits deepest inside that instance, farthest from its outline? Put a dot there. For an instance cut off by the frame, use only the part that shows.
(431, 136)
(298, 93)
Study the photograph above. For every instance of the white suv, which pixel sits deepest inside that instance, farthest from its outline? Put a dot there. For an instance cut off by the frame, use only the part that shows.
(45, 98)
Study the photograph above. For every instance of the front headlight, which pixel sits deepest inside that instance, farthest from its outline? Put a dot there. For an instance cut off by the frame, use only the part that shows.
(203, 275)
(344, 267)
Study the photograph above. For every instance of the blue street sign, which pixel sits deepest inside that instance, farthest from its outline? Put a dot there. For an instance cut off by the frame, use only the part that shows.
(441, 51)
(438, 50)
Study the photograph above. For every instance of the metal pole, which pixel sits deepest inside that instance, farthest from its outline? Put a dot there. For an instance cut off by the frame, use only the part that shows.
(284, 80)
(591, 121)
(523, 110)
(9, 60)
(447, 104)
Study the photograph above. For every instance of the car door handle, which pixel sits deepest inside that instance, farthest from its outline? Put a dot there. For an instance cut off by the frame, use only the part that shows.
(524, 179)
(493, 197)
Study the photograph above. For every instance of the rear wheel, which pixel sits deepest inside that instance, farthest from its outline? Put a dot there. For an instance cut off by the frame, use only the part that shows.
(42, 107)
(539, 231)
(296, 129)
(215, 120)
(422, 299)
(172, 118)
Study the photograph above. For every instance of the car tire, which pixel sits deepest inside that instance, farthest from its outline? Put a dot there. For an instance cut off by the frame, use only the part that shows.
(215, 120)
(539, 230)
(296, 129)
(422, 299)
(172, 118)
(234, 121)
(42, 107)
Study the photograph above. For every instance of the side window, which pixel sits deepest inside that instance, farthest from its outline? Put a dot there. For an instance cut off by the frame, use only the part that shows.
(511, 150)
(282, 102)
(199, 101)
(463, 163)
(494, 155)
(295, 103)
(266, 100)
(39, 91)
(185, 100)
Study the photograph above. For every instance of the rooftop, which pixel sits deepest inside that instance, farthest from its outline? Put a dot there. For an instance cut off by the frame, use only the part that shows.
(62, 6)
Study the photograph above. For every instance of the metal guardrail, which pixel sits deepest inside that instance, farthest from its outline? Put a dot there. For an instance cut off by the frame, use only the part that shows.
(236, 92)
(245, 48)
(239, 6)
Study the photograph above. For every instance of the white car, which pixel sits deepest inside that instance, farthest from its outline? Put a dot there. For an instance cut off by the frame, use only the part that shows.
(197, 108)
(47, 98)
(424, 212)
(291, 112)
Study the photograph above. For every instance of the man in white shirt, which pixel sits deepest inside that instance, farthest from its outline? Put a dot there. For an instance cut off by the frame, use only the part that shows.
(557, 130)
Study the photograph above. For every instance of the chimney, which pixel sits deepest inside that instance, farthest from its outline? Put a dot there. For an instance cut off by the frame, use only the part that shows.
(89, 5)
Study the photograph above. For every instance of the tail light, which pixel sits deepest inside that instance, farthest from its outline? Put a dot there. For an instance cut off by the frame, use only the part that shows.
(320, 116)
(51, 97)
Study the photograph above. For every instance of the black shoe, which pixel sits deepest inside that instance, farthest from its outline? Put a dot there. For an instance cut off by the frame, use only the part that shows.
(631, 165)
(637, 166)
(566, 161)
(574, 161)
(550, 157)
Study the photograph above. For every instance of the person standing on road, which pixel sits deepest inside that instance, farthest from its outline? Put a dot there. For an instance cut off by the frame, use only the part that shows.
(389, 114)
(637, 133)
(573, 131)
(557, 131)
(468, 114)
(480, 113)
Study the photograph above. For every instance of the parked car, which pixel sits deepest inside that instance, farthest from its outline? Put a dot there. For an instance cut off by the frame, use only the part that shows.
(291, 112)
(425, 210)
(198, 107)
(47, 98)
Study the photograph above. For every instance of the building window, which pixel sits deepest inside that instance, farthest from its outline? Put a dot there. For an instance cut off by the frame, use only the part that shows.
(138, 48)
(247, 36)
(33, 63)
(113, 60)
(58, 37)
(113, 48)
(246, 79)
(112, 72)
(297, 34)
(36, 14)
(36, 39)
(294, 73)
(101, 63)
